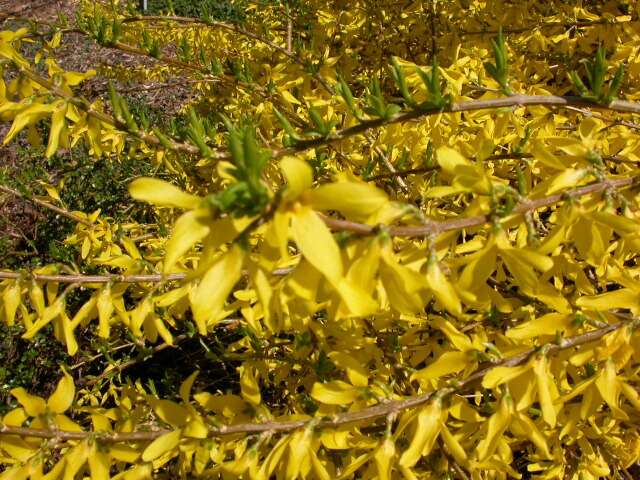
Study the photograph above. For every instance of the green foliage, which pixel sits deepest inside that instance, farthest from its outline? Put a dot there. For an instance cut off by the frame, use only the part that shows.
(224, 10)
(33, 364)
(596, 70)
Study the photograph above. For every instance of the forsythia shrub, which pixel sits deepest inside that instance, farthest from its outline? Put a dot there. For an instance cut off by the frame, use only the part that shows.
(420, 219)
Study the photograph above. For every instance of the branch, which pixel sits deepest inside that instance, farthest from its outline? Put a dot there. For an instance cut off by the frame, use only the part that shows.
(565, 25)
(50, 206)
(432, 227)
(436, 227)
(518, 100)
(339, 420)
(103, 117)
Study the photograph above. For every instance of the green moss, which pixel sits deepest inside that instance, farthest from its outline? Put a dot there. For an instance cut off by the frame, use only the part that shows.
(34, 364)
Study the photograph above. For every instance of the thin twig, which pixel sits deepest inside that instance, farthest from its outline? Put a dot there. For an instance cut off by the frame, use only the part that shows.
(431, 227)
(45, 204)
(540, 26)
(290, 35)
(399, 181)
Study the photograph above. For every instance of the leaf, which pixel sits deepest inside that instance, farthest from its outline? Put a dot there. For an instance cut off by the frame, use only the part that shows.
(208, 299)
(162, 194)
(189, 229)
(427, 429)
(62, 397)
(335, 392)
(161, 445)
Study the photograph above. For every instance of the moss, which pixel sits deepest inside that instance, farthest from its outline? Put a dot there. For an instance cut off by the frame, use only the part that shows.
(32, 364)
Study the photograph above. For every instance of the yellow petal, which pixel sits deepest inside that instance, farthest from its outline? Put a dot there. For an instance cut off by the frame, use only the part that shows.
(34, 406)
(249, 387)
(426, 432)
(336, 392)
(353, 199)
(499, 375)
(497, 424)
(185, 387)
(189, 229)
(445, 364)
(298, 174)
(62, 398)
(384, 458)
(317, 244)
(58, 123)
(450, 159)
(622, 298)
(454, 447)
(356, 371)
(11, 298)
(545, 396)
(208, 299)
(547, 324)
(105, 310)
(161, 445)
(568, 178)
(170, 412)
(534, 434)
(99, 463)
(162, 194)
(442, 289)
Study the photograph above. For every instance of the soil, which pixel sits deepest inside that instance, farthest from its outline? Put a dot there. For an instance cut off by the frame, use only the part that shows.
(77, 52)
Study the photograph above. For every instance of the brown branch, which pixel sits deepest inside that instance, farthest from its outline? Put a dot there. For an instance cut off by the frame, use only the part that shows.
(393, 173)
(466, 106)
(518, 100)
(435, 227)
(431, 227)
(290, 35)
(565, 25)
(45, 204)
(384, 409)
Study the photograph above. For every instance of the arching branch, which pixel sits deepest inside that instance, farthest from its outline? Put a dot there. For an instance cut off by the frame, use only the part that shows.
(432, 227)
(342, 419)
